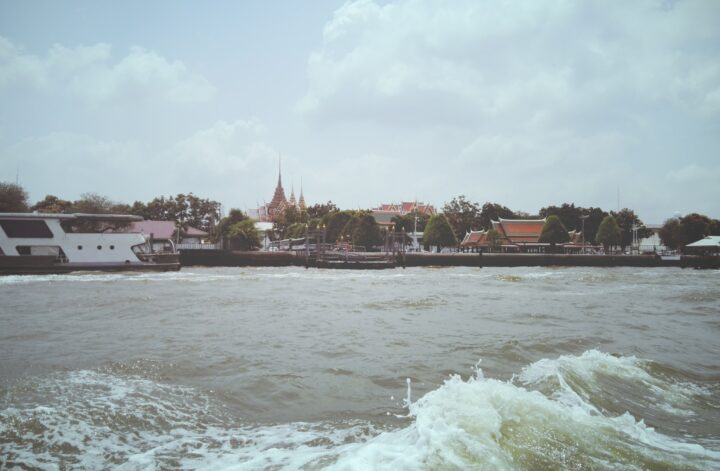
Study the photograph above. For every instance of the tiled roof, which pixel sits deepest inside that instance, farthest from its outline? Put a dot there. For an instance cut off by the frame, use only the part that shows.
(474, 238)
(519, 230)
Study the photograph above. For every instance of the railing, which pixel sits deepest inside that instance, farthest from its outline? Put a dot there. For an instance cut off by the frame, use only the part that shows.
(217, 246)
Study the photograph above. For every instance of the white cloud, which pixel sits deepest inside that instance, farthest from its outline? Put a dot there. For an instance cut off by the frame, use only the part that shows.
(228, 161)
(526, 103)
(508, 60)
(92, 74)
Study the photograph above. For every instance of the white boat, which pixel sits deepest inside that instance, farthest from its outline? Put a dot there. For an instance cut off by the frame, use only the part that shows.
(33, 243)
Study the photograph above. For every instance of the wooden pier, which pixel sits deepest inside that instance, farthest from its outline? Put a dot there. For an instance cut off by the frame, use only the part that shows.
(320, 254)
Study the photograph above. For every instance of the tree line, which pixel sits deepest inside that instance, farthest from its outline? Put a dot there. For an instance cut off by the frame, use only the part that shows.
(458, 217)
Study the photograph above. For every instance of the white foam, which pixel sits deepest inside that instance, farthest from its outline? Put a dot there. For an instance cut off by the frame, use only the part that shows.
(673, 396)
(93, 420)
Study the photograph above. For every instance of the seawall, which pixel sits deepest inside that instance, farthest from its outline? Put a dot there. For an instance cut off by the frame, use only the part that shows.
(227, 258)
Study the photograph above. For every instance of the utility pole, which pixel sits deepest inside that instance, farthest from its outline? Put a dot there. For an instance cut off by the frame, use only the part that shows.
(583, 231)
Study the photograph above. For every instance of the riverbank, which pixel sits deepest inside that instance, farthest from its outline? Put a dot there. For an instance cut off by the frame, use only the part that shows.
(226, 258)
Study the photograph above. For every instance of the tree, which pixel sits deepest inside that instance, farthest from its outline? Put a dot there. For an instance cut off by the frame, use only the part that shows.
(295, 231)
(13, 198)
(189, 210)
(571, 217)
(462, 215)
(320, 210)
(554, 232)
(608, 233)
(93, 203)
(672, 234)
(52, 204)
(244, 236)
(493, 212)
(625, 219)
(407, 222)
(366, 232)
(438, 232)
(335, 224)
(695, 226)
(223, 227)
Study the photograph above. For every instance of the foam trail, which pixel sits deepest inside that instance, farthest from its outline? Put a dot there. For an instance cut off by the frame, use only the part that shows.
(94, 420)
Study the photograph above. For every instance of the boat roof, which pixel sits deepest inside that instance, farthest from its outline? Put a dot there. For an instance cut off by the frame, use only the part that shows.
(85, 216)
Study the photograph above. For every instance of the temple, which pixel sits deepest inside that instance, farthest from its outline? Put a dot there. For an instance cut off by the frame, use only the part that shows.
(516, 235)
(385, 212)
(279, 203)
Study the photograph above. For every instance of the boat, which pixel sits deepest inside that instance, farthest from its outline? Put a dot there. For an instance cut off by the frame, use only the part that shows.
(35, 243)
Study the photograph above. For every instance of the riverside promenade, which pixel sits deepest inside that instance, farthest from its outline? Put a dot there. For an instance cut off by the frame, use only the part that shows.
(227, 258)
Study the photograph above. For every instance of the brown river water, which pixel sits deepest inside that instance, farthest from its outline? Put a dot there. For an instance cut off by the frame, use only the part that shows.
(423, 368)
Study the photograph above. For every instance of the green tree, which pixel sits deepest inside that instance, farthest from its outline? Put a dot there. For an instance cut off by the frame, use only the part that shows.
(222, 229)
(366, 232)
(93, 203)
(52, 204)
(407, 222)
(13, 198)
(672, 234)
(296, 231)
(335, 224)
(320, 210)
(189, 210)
(438, 232)
(696, 226)
(608, 233)
(493, 212)
(243, 235)
(625, 219)
(463, 215)
(554, 232)
(571, 217)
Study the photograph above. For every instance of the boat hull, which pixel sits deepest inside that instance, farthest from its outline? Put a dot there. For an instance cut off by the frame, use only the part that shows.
(48, 265)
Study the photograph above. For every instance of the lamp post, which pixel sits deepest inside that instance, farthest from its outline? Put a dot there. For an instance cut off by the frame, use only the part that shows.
(583, 231)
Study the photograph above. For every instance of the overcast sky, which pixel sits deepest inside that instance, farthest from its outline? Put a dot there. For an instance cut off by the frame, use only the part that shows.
(522, 103)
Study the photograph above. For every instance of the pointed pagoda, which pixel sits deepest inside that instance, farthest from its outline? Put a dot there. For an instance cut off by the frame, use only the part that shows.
(301, 201)
(292, 201)
(279, 202)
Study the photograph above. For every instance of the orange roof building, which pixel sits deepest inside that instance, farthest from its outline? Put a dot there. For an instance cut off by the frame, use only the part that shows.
(385, 212)
(517, 235)
(519, 230)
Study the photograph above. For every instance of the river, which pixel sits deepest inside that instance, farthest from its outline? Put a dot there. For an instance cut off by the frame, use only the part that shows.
(423, 368)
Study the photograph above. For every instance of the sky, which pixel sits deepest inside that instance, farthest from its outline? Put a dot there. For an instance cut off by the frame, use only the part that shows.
(523, 103)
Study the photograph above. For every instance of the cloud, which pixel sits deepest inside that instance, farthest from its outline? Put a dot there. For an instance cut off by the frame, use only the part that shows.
(228, 161)
(469, 62)
(92, 74)
(528, 103)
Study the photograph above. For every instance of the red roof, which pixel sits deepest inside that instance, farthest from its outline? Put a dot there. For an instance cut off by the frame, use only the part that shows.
(520, 230)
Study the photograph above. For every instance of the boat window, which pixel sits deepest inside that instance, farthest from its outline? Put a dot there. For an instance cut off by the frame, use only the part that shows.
(79, 247)
(93, 226)
(112, 247)
(26, 228)
(53, 250)
(99, 247)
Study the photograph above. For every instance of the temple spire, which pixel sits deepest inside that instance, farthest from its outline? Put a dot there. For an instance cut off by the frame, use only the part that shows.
(301, 201)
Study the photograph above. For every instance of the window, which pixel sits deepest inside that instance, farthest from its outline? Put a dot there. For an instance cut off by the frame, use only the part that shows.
(112, 247)
(99, 247)
(79, 247)
(25, 228)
